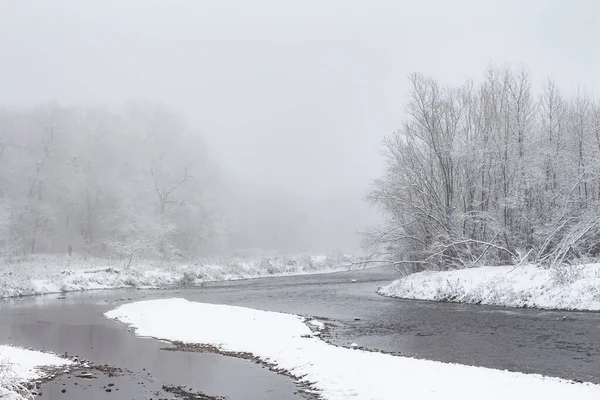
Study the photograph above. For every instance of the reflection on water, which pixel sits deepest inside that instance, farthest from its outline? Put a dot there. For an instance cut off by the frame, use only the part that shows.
(80, 329)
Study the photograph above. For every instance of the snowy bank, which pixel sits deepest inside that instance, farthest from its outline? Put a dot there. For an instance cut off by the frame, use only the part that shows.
(52, 274)
(286, 342)
(566, 288)
(19, 366)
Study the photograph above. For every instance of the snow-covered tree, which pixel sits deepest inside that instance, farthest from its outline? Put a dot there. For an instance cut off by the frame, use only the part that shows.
(490, 173)
(135, 181)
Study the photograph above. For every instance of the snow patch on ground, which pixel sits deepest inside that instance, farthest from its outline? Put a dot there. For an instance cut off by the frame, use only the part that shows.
(569, 288)
(286, 342)
(52, 274)
(19, 366)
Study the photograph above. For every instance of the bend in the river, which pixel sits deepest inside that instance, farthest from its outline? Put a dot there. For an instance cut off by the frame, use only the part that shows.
(531, 341)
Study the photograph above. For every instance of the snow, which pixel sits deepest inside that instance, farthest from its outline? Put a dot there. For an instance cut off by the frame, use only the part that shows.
(25, 363)
(52, 274)
(286, 342)
(567, 288)
(316, 324)
(18, 366)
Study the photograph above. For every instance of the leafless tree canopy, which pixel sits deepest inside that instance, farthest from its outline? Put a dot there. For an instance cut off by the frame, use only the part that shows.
(104, 182)
(490, 173)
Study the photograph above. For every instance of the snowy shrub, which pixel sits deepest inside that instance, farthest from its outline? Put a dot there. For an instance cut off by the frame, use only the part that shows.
(450, 290)
(308, 263)
(188, 278)
(10, 387)
(595, 293)
(130, 281)
(497, 291)
(456, 288)
(289, 264)
(565, 274)
(266, 264)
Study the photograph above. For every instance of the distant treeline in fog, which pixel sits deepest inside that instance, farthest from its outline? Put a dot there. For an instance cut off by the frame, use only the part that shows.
(104, 182)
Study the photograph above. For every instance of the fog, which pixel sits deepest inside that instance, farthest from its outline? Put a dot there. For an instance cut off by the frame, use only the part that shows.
(291, 99)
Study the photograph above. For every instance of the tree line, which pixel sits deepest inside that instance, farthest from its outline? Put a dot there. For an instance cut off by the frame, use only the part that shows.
(105, 182)
(490, 173)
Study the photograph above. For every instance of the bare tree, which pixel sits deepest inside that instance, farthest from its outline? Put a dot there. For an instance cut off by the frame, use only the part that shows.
(87, 178)
(490, 174)
(165, 193)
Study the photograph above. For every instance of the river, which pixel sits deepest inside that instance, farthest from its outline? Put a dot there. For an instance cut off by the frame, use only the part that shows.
(552, 343)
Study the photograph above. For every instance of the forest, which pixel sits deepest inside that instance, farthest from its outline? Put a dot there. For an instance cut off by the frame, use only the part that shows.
(492, 172)
(105, 182)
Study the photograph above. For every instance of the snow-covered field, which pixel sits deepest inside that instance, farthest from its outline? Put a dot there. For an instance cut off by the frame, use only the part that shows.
(19, 366)
(566, 288)
(286, 342)
(52, 274)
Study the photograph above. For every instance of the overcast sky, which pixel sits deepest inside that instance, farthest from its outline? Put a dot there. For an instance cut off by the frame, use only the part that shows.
(295, 93)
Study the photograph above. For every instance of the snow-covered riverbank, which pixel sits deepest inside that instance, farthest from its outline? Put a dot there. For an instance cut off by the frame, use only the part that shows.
(286, 342)
(51, 274)
(568, 288)
(19, 366)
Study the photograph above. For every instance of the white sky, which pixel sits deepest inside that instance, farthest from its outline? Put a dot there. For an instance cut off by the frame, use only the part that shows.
(295, 93)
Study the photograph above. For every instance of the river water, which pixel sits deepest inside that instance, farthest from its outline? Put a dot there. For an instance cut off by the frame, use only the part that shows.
(552, 343)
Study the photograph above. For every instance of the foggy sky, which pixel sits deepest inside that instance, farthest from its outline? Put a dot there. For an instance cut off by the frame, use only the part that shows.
(292, 94)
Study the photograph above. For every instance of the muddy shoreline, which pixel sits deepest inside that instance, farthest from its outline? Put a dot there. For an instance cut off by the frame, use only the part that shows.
(105, 381)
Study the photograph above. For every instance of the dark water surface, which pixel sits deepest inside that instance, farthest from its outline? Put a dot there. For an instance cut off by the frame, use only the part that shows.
(524, 340)
(531, 341)
(76, 325)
